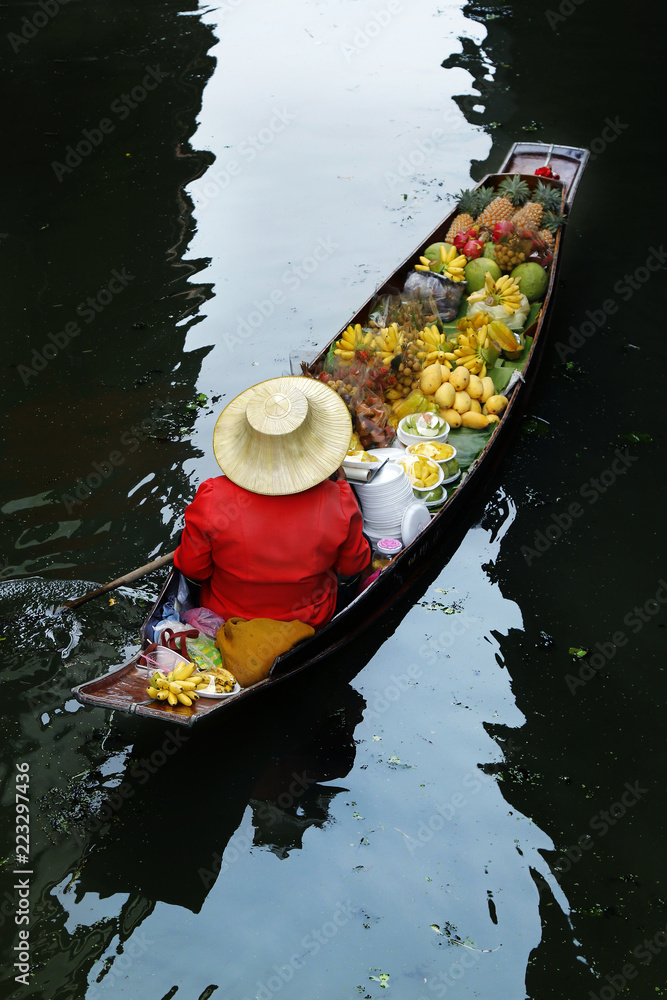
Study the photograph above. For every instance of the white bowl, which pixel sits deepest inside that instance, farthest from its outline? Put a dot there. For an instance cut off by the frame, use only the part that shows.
(405, 438)
(425, 489)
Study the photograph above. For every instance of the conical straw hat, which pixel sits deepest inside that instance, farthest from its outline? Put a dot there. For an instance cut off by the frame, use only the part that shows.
(282, 436)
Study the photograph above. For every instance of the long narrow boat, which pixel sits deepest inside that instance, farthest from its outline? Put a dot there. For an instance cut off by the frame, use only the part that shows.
(124, 688)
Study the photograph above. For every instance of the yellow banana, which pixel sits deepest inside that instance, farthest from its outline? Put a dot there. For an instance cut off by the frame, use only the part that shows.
(152, 692)
(172, 699)
(183, 672)
(184, 699)
(162, 695)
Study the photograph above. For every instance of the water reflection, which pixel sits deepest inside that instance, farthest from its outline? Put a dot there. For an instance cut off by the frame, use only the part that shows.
(162, 821)
(100, 293)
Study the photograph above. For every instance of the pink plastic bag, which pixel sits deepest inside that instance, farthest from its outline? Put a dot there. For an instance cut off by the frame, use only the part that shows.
(204, 620)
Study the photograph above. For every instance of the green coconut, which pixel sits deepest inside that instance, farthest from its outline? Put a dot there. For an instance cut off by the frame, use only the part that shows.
(476, 270)
(433, 252)
(533, 280)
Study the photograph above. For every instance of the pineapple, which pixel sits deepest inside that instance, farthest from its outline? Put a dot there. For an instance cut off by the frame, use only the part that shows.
(515, 189)
(467, 209)
(549, 239)
(497, 211)
(545, 199)
(512, 193)
(551, 223)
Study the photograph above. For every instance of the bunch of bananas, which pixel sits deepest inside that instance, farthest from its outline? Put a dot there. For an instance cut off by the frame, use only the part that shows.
(176, 687)
(223, 681)
(432, 346)
(352, 339)
(388, 341)
(475, 351)
(450, 263)
(503, 292)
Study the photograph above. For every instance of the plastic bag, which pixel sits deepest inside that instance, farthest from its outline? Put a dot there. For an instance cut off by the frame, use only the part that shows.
(445, 294)
(204, 620)
(204, 653)
(163, 659)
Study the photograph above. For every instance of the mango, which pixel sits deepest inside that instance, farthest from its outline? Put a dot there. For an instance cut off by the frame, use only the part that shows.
(488, 388)
(496, 404)
(475, 387)
(478, 421)
(453, 418)
(431, 379)
(460, 378)
(444, 396)
(462, 402)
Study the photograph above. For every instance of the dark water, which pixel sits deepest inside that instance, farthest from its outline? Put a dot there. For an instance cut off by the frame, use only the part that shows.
(467, 809)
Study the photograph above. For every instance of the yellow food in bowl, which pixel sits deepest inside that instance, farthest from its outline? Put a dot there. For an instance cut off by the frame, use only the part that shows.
(423, 473)
(432, 449)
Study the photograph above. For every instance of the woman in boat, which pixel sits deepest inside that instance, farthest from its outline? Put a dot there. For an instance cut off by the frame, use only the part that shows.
(271, 537)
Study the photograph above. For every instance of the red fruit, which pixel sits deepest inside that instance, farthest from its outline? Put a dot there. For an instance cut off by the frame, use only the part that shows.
(546, 172)
(462, 238)
(472, 249)
(501, 229)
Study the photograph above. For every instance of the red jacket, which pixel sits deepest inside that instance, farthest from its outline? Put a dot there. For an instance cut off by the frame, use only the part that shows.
(272, 556)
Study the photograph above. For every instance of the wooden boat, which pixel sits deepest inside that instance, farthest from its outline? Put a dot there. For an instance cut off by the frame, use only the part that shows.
(124, 689)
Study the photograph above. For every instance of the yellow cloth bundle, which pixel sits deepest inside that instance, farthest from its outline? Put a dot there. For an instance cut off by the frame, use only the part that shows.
(249, 647)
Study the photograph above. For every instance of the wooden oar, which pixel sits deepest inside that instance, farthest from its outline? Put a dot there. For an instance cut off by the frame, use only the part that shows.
(120, 582)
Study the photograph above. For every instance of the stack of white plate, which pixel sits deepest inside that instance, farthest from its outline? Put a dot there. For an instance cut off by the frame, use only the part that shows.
(383, 501)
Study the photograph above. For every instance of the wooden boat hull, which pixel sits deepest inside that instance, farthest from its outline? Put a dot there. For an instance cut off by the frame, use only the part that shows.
(124, 689)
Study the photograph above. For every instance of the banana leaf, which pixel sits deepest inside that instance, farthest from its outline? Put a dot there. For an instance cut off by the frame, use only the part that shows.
(533, 313)
(502, 373)
(469, 443)
(328, 365)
